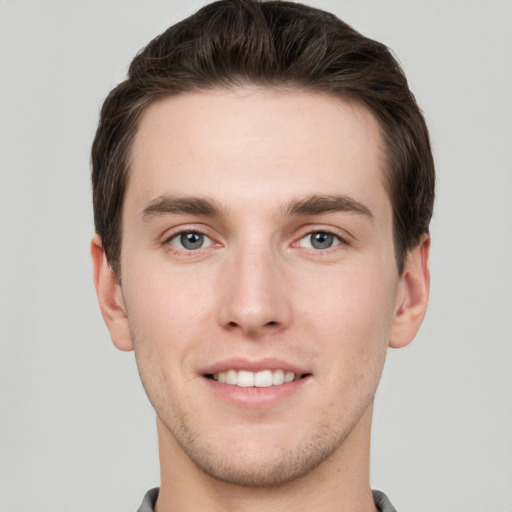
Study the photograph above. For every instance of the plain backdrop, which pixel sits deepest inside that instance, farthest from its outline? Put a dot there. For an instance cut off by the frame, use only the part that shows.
(76, 430)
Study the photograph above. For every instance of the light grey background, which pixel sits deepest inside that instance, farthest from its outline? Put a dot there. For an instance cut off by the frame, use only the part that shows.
(76, 431)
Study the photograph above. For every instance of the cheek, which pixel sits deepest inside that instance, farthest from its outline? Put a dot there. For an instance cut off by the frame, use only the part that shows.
(351, 314)
(159, 296)
(351, 332)
(165, 319)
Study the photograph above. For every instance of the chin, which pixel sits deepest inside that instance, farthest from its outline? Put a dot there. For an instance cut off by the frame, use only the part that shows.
(270, 461)
(259, 471)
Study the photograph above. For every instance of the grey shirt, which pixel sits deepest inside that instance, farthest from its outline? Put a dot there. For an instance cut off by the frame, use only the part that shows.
(381, 501)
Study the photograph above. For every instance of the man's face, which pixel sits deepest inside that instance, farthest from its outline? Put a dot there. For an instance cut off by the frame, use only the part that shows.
(257, 249)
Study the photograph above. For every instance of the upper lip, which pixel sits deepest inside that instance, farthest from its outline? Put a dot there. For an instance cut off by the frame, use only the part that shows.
(253, 366)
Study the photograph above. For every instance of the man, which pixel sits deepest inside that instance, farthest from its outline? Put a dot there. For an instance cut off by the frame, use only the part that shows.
(263, 185)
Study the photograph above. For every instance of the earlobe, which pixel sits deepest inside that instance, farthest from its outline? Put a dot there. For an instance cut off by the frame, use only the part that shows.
(413, 301)
(110, 297)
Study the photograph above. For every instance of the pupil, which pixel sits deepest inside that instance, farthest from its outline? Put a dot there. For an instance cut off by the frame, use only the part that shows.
(321, 240)
(191, 240)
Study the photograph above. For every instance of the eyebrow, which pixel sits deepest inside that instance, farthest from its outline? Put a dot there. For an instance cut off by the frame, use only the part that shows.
(168, 205)
(318, 204)
(309, 205)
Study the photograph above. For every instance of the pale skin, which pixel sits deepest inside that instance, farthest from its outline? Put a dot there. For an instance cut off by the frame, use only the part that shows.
(257, 235)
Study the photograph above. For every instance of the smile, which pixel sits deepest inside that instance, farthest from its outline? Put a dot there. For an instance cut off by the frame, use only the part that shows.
(260, 379)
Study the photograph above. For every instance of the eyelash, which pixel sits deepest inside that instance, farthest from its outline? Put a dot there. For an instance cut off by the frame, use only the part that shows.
(178, 235)
(338, 240)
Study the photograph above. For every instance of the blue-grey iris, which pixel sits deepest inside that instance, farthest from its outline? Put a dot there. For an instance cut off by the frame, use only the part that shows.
(321, 240)
(192, 240)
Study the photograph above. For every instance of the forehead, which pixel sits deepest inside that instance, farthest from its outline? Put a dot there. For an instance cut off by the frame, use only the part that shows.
(252, 143)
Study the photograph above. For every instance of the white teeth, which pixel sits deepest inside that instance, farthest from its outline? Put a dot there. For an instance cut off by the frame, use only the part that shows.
(261, 379)
(278, 377)
(245, 379)
(230, 377)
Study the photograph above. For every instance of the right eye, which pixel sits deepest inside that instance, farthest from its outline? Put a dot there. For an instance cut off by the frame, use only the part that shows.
(190, 241)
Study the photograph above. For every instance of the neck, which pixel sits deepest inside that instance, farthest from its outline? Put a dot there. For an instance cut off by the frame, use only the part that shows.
(340, 483)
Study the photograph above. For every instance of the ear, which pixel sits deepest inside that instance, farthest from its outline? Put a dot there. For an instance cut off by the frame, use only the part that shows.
(413, 300)
(110, 297)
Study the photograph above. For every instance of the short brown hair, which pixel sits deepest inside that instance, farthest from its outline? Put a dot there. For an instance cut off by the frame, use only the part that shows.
(273, 44)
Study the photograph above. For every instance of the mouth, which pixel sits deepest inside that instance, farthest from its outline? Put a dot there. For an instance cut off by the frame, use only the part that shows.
(259, 379)
(256, 384)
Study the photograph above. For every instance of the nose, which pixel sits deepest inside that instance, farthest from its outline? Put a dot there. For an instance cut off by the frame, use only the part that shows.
(254, 298)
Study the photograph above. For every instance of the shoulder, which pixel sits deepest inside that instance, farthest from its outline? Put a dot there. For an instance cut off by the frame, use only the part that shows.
(382, 502)
(148, 503)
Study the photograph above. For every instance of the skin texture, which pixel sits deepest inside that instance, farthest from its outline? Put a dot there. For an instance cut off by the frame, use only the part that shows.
(235, 166)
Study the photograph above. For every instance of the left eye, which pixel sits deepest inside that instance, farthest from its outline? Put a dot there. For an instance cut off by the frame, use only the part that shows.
(191, 241)
(320, 240)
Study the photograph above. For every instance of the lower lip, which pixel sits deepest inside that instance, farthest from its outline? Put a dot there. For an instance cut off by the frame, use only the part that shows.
(253, 397)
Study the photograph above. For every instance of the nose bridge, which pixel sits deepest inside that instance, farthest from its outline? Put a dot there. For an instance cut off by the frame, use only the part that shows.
(254, 299)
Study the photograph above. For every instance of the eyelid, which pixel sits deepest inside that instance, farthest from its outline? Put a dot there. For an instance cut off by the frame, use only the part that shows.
(177, 231)
(177, 236)
(342, 236)
(337, 240)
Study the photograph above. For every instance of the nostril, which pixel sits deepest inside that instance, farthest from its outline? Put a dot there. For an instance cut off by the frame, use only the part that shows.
(250, 326)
